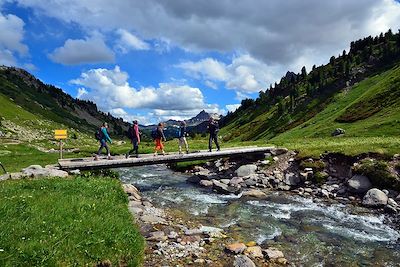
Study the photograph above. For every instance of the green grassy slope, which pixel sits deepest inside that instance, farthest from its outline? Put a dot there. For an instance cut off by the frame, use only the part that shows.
(369, 112)
(372, 108)
(67, 222)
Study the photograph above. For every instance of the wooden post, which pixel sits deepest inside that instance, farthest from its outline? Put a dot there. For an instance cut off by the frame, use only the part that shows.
(61, 149)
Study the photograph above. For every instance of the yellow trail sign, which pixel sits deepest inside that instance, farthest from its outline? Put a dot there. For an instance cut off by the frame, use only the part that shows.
(60, 134)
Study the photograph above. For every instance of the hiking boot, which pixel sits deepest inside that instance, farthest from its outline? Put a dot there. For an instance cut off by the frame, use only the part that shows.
(109, 157)
(96, 157)
(187, 151)
(126, 156)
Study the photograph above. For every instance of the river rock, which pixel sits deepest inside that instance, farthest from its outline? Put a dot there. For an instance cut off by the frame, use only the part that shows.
(252, 181)
(273, 253)
(153, 219)
(131, 190)
(292, 179)
(386, 192)
(359, 184)
(246, 170)
(206, 183)
(223, 188)
(375, 198)
(195, 179)
(225, 181)
(392, 202)
(254, 193)
(157, 236)
(254, 252)
(235, 181)
(243, 261)
(236, 248)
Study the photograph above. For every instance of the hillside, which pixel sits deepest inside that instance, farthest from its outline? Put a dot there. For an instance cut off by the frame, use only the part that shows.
(50, 103)
(358, 91)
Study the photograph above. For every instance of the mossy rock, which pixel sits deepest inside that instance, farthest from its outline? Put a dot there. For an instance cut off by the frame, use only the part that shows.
(378, 173)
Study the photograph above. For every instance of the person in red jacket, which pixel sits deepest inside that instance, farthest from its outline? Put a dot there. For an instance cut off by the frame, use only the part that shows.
(134, 135)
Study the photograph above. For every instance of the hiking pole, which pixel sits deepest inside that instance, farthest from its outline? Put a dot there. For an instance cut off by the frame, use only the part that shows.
(4, 169)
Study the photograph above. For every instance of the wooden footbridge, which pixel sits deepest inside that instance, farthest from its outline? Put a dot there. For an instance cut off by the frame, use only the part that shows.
(149, 159)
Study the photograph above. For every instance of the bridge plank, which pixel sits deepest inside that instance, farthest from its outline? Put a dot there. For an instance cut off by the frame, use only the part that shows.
(149, 159)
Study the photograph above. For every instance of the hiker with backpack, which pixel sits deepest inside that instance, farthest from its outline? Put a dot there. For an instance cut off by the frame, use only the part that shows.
(134, 136)
(213, 128)
(103, 137)
(182, 137)
(159, 137)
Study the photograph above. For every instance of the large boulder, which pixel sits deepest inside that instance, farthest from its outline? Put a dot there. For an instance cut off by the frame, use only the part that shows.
(243, 261)
(375, 198)
(338, 131)
(224, 188)
(37, 171)
(246, 170)
(292, 179)
(359, 184)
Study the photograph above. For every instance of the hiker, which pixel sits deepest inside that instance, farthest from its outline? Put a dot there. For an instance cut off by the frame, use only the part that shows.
(213, 128)
(182, 137)
(134, 136)
(159, 137)
(103, 137)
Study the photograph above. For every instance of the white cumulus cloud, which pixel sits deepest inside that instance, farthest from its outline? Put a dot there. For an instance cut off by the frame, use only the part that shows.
(110, 89)
(83, 51)
(244, 74)
(128, 42)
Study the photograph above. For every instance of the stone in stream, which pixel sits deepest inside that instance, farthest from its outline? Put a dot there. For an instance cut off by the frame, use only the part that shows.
(157, 236)
(235, 181)
(224, 189)
(235, 248)
(243, 261)
(206, 183)
(359, 184)
(375, 198)
(194, 179)
(292, 179)
(392, 202)
(246, 170)
(131, 190)
(273, 253)
(254, 252)
(153, 219)
(254, 193)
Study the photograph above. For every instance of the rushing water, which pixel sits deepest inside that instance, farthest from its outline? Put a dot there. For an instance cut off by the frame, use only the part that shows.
(309, 233)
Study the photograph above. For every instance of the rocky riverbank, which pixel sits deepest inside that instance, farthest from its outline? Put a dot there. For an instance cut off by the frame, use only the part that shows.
(331, 178)
(173, 241)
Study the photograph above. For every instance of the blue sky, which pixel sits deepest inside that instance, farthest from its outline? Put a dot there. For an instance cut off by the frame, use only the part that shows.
(155, 60)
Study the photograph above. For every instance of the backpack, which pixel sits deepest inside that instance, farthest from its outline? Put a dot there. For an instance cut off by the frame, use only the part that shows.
(130, 133)
(154, 133)
(178, 133)
(98, 134)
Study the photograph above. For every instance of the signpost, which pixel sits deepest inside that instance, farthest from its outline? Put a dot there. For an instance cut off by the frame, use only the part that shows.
(60, 135)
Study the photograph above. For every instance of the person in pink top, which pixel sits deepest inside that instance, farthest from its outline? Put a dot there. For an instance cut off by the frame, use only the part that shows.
(134, 135)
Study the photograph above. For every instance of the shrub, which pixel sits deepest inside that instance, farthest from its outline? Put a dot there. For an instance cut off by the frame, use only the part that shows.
(378, 172)
(320, 177)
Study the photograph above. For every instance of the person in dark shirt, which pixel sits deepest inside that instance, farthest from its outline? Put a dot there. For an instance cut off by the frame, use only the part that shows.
(213, 128)
(182, 138)
(134, 135)
(159, 139)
